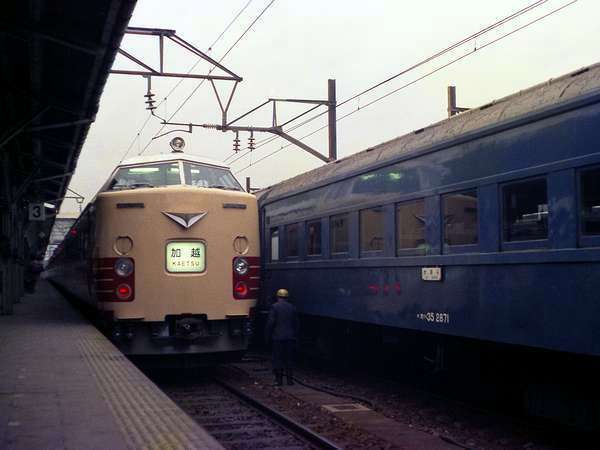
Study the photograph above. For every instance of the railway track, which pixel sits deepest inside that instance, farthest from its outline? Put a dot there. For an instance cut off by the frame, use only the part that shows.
(239, 421)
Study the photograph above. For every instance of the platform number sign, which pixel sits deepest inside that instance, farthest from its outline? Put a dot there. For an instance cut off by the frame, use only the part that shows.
(37, 212)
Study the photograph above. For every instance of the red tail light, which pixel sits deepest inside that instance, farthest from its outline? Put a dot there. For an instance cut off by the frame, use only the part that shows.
(112, 283)
(246, 277)
(124, 291)
(241, 289)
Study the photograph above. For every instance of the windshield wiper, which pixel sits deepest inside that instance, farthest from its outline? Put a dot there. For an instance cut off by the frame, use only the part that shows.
(227, 188)
(139, 185)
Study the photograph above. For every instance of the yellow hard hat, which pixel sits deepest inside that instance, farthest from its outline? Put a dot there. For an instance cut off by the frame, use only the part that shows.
(283, 293)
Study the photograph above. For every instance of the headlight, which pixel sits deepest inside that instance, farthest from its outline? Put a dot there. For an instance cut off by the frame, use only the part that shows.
(123, 267)
(240, 265)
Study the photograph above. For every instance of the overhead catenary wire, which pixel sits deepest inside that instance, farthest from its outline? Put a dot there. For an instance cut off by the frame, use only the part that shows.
(554, 11)
(244, 33)
(210, 47)
(430, 58)
(450, 48)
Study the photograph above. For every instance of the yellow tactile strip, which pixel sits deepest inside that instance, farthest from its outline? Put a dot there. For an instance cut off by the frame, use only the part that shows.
(146, 416)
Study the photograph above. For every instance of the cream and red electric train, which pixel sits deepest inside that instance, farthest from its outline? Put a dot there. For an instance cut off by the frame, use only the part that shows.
(167, 254)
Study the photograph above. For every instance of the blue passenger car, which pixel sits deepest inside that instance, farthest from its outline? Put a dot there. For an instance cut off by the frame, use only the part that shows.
(484, 226)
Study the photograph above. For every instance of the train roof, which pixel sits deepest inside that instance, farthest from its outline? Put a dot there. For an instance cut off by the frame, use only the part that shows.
(551, 93)
(166, 157)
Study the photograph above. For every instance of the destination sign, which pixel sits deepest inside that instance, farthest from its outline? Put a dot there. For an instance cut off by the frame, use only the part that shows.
(186, 257)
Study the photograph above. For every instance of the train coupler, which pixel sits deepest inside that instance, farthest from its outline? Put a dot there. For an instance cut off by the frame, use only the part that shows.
(240, 326)
(191, 328)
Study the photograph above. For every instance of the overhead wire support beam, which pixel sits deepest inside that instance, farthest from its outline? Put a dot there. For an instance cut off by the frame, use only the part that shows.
(137, 61)
(248, 113)
(275, 128)
(150, 31)
(172, 75)
(172, 36)
(305, 147)
(183, 43)
(331, 119)
(231, 76)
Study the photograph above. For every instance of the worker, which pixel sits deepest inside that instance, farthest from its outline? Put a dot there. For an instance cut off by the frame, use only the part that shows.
(282, 330)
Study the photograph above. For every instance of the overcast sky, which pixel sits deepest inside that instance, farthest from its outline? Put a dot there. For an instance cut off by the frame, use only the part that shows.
(297, 45)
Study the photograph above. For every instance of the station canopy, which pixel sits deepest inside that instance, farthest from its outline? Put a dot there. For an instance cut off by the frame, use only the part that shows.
(55, 57)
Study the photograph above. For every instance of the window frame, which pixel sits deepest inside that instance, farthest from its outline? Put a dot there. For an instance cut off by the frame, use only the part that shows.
(187, 174)
(414, 251)
(271, 230)
(584, 240)
(524, 244)
(459, 248)
(371, 253)
(340, 255)
(285, 242)
(106, 187)
(307, 223)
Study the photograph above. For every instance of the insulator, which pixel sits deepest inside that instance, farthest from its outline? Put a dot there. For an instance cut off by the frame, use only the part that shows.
(236, 142)
(149, 100)
(251, 141)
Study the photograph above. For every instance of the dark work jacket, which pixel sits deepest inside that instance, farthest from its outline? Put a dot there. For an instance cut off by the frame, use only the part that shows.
(282, 323)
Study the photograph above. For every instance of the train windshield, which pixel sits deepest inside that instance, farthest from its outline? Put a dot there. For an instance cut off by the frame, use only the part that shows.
(150, 175)
(209, 177)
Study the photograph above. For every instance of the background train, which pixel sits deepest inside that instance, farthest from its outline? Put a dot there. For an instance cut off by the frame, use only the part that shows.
(484, 227)
(167, 255)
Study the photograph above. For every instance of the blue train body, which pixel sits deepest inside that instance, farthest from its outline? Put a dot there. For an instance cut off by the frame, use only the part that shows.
(485, 225)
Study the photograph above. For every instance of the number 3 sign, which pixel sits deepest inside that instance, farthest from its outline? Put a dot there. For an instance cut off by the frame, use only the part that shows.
(37, 211)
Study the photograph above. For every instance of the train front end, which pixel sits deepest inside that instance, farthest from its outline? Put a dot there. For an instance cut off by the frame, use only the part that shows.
(175, 265)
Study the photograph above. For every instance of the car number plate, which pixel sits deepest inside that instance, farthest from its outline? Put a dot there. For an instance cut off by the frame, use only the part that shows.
(431, 273)
(186, 257)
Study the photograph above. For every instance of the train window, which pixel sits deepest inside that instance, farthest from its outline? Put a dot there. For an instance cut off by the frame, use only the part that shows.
(274, 244)
(371, 229)
(525, 210)
(209, 177)
(460, 218)
(590, 202)
(410, 225)
(339, 229)
(313, 237)
(150, 175)
(292, 235)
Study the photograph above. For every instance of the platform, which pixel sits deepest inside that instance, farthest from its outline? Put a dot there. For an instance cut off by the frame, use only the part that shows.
(63, 385)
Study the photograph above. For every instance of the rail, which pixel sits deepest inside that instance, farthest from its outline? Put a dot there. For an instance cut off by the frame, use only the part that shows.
(287, 422)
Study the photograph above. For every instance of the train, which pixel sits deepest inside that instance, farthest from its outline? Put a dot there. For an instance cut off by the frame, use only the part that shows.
(481, 228)
(166, 257)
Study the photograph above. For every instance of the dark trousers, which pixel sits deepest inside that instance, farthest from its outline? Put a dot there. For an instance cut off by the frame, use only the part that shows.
(283, 354)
